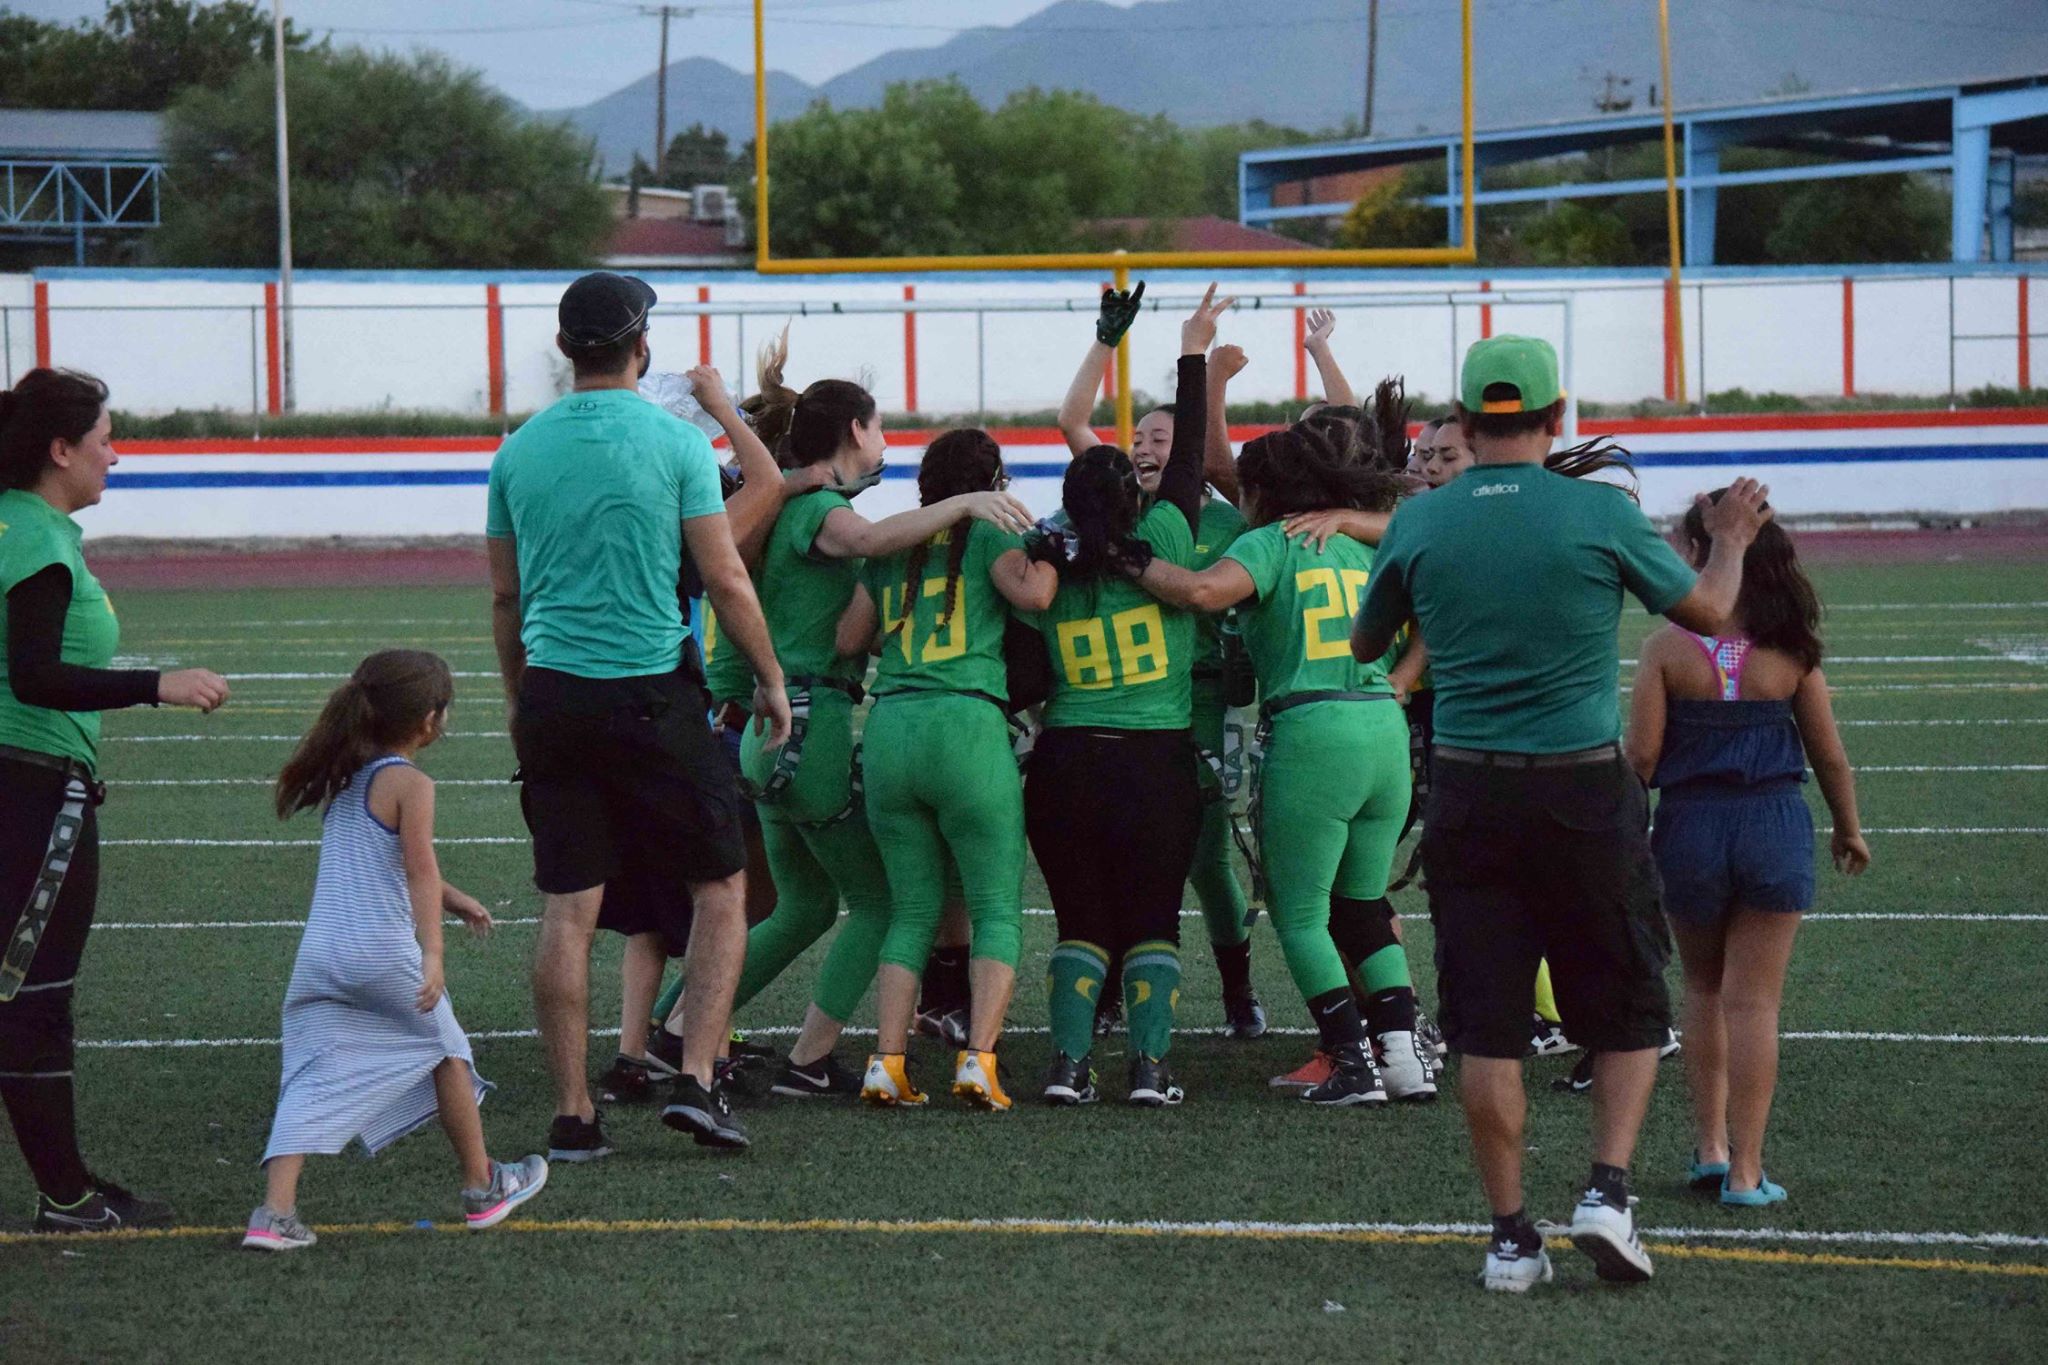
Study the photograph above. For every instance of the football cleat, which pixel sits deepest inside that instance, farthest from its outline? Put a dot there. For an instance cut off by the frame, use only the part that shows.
(1152, 1084)
(1354, 1080)
(1308, 1075)
(1406, 1069)
(976, 1080)
(1069, 1081)
(887, 1085)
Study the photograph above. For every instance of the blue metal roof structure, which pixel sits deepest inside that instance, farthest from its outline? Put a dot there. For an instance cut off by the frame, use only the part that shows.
(1973, 133)
(64, 172)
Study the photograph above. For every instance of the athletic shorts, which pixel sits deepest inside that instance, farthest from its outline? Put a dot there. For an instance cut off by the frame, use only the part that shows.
(1717, 850)
(1531, 863)
(624, 781)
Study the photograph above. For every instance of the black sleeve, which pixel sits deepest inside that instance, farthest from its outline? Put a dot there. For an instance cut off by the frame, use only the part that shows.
(35, 664)
(1180, 483)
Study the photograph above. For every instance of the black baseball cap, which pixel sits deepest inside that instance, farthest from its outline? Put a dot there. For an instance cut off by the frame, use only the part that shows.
(601, 308)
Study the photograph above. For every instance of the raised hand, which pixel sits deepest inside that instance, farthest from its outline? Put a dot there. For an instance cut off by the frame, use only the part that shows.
(709, 388)
(1199, 330)
(1321, 322)
(1225, 362)
(1119, 311)
(197, 687)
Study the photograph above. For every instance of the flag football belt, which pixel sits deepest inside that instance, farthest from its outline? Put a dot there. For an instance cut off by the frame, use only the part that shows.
(1497, 758)
(81, 793)
(1292, 700)
(790, 756)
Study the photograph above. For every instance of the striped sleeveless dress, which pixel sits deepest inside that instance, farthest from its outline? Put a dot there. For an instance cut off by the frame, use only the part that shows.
(359, 1056)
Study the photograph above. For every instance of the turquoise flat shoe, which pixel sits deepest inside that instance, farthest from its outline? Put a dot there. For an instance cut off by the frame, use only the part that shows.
(1706, 1177)
(1764, 1193)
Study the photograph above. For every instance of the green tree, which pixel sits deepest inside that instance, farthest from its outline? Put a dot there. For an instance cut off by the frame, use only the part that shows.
(137, 56)
(1868, 218)
(397, 162)
(1575, 232)
(697, 156)
(1390, 213)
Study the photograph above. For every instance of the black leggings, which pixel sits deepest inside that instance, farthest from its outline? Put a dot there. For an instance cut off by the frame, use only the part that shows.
(1113, 816)
(35, 1027)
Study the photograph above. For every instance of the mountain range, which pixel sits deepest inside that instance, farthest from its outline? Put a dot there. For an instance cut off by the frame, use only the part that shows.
(1301, 63)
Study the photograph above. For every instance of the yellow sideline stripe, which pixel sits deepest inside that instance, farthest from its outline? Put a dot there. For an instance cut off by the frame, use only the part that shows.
(1049, 1228)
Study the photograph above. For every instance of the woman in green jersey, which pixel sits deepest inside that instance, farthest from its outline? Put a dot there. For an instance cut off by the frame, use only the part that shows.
(1111, 802)
(1334, 782)
(812, 818)
(942, 782)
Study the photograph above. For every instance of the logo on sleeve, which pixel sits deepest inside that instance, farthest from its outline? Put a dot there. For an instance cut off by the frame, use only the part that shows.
(1488, 490)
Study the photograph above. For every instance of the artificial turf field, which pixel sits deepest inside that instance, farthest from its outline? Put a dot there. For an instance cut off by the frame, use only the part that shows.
(1239, 1226)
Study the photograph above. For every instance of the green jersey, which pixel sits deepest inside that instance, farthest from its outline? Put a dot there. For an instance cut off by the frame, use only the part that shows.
(594, 491)
(1219, 527)
(1298, 625)
(33, 536)
(966, 653)
(1515, 576)
(1121, 659)
(804, 593)
(727, 674)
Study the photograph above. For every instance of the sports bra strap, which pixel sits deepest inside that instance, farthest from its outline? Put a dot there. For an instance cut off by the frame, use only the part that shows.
(1727, 654)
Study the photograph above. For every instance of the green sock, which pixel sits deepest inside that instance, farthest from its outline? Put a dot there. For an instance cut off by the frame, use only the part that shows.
(1073, 983)
(666, 1006)
(1151, 992)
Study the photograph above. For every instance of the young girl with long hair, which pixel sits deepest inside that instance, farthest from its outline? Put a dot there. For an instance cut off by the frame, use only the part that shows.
(1112, 803)
(1725, 726)
(372, 1051)
(813, 818)
(942, 784)
(1334, 781)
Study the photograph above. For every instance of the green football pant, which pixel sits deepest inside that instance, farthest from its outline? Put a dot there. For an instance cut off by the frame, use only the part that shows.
(1334, 788)
(942, 780)
(1214, 875)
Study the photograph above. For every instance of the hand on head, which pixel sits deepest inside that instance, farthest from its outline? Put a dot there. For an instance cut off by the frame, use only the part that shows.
(1739, 514)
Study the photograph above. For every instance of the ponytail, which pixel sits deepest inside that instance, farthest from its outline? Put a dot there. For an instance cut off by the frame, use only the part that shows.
(1590, 457)
(386, 702)
(771, 405)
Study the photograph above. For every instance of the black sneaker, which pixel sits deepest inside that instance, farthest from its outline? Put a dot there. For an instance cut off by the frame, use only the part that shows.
(1152, 1083)
(1580, 1082)
(1547, 1039)
(827, 1077)
(744, 1052)
(706, 1115)
(1109, 1016)
(1069, 1081)
(137, 1211)
(948, 1026)
(1244, 1016)
(573, 1139)
(630, 1081)
(1354, 1080)
(664, 1055)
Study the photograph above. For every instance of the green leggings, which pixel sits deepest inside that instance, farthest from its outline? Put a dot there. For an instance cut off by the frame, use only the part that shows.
(1333, 794)
(817, 859)
(1214, 875)
(942, 780)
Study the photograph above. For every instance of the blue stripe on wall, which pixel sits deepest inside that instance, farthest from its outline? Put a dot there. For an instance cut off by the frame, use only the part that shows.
(1055, 469)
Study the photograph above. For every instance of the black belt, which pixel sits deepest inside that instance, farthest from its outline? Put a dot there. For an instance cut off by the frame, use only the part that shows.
(56, 763)
(805, 682)
(991, 698)
(1292, 700)
(1497, 758)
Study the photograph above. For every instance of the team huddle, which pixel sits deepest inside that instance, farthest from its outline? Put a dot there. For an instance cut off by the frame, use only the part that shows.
(738, 705)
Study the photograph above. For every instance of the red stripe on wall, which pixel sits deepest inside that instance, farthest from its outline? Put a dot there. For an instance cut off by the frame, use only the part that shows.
(273, 350)
(42, 325)
(1485, 311)
(1848, 337)
(910, 352)
(704, 327)
(494, 347)
(1300, 346)
(2026, 342)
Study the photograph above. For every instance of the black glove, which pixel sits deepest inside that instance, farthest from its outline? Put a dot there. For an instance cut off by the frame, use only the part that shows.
(1133, 555)
(1119, 311)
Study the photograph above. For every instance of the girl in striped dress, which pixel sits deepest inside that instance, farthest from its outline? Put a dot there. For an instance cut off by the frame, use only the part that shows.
(371, 1047)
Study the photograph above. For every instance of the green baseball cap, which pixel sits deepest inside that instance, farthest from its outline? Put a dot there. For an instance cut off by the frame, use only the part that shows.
(1527, 364)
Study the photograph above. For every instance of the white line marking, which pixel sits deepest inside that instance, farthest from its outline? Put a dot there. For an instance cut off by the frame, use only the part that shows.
(1961, 917)
(1934, 606)
(191, 738)
(2016, 720)
(327, 677)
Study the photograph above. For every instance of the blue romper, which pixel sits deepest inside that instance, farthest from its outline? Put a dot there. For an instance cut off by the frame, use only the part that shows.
(1732, 826)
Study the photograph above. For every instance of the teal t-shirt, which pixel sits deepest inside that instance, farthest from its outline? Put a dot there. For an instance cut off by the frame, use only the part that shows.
(966, 653)
(595, 490)
(1515, 575)
(803, 593)
(33, 536)
(1121, 659)
(1298, 625)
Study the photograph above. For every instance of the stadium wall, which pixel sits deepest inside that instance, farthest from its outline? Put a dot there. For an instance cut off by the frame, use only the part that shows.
(1873, 464)
(365, 341)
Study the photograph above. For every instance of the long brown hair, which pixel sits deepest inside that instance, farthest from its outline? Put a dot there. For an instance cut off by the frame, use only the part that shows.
(963, 460)
(44, 405)
(383, 704)
(1776, 604)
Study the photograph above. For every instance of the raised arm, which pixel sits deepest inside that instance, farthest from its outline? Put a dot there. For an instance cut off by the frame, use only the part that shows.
(1336, 388)
(1815, 715)
(751, 511)
(1219, 461)
(1079, 403)
(1180, 483)
(1732, 523)
(1219, 587)
(846, 534)
(731, 591)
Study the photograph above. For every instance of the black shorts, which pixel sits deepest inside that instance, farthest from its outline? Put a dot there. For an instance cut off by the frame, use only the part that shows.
(625, 785)
(1532, 863)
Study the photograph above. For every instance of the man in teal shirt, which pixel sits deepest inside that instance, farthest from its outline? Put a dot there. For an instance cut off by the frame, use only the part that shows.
(1535, 839)
(591, 504)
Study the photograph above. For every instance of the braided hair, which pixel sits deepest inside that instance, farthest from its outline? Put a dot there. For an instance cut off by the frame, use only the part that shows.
(1312, 465)
(963, 460)
(1776, 603)
(1103, 504)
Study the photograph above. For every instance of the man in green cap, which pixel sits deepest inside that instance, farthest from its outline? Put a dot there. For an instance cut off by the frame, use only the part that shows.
(1535, 838)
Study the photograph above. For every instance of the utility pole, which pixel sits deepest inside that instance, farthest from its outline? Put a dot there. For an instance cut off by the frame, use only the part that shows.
(1372, 58)
(284, 217)
(664, 13)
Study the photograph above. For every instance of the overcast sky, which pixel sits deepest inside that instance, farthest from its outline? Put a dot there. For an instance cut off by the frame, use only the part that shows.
(556, 53)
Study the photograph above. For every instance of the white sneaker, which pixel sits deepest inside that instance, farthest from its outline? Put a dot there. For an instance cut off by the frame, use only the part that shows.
(1512, 1269)
(1608, 1235)
(1406, 1071)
